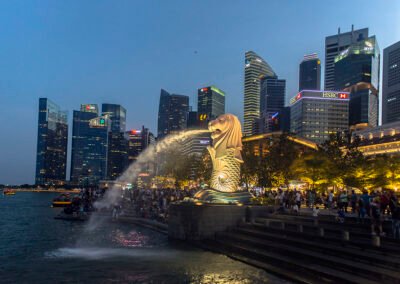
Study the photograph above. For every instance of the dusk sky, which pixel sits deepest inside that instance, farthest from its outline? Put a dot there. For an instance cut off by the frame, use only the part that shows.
(124, 52)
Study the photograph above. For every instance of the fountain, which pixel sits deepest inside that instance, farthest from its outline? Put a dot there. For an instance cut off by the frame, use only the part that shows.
(226, 159)
(221, 206)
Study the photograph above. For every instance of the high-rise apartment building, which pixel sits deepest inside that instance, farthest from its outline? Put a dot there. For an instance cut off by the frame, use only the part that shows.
(52, 141)
(334, 45)
(391, 84)
(255, 68)
(89, 146)
(210, 103)
(357, 72)
(272, 102)
(310, 73)
(315, 115)
(172, 113)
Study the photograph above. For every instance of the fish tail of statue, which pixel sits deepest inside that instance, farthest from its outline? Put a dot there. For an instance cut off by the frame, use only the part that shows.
(226, 158)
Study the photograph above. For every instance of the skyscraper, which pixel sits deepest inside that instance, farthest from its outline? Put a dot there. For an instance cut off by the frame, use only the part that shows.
(310, 73)
(333, 46)
(272, 102)
(357, 72)
(172, 113)
(255, 68)
(391, 84)
(89, 146)
(210, 103)
(139, 140)
(117, 114)
(117, 158)
(52, 141)
(315, 115)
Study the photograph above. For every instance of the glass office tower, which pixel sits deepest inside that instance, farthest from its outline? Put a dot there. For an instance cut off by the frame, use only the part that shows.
(272, 102)
(334, 45)
(117, 159)
(310, 73)
(391, 84)
(172, 113)
(52, 143)
(117, 114)
(89, 146)
(254, 69)
(210, 103)
(315, 115)
(357, 72)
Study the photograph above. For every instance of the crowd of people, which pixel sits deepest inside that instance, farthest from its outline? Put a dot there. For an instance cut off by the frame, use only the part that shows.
(154, 203)
(376, 205)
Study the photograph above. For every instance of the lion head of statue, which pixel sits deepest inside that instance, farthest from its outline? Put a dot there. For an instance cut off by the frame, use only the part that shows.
(226, 133)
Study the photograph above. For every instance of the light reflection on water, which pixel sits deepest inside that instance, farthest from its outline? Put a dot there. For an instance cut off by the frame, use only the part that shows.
(35, 248)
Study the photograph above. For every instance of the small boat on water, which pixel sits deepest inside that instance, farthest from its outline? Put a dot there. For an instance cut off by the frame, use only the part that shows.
(8, 192)
(63, 200)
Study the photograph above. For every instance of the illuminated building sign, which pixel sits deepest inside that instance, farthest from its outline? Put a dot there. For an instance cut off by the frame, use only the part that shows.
(102, 121)
(134, 131)
(311, 94)
(89, 108)
(218, 91)
(203, 117)
(214, 89)
(205, 142)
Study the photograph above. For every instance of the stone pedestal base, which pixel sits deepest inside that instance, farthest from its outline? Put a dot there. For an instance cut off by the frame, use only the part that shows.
(188, 221)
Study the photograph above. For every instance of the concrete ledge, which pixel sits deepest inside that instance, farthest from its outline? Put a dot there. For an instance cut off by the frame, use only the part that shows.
(191, 221)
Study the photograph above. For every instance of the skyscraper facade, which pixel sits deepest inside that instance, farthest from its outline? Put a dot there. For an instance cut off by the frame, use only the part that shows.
(315, 115)
(391, 84)
(117, 114)
(310, 73)
(357, 72)
(139, 140)
(89, 146)
(172, 113)
(255, 68)
(334, 45)
(210, 103)
(52, 143)
(272, 102)
(117, 157)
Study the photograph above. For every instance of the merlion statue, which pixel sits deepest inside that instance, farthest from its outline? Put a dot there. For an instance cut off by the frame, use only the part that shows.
(226, 134)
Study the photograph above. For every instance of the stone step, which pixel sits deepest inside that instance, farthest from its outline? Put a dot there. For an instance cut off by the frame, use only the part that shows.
(314, 272)
(349, 222)
(334, 230)
(310, 256)
(276, 270)
(364, 244)
(339, 250)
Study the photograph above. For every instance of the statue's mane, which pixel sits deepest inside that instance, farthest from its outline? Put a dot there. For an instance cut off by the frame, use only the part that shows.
(231, 138)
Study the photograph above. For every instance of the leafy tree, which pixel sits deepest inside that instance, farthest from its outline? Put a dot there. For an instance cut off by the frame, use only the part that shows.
(279, 161)
(312, 168)
(250, 166)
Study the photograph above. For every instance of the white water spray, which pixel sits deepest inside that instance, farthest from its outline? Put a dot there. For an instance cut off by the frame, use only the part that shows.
(147, 156)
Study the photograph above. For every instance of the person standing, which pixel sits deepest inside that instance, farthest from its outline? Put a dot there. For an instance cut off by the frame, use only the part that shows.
(396, 222)
(375, 213)
(353, 200)
(330, 200)
(298, 199)
(344, 200)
